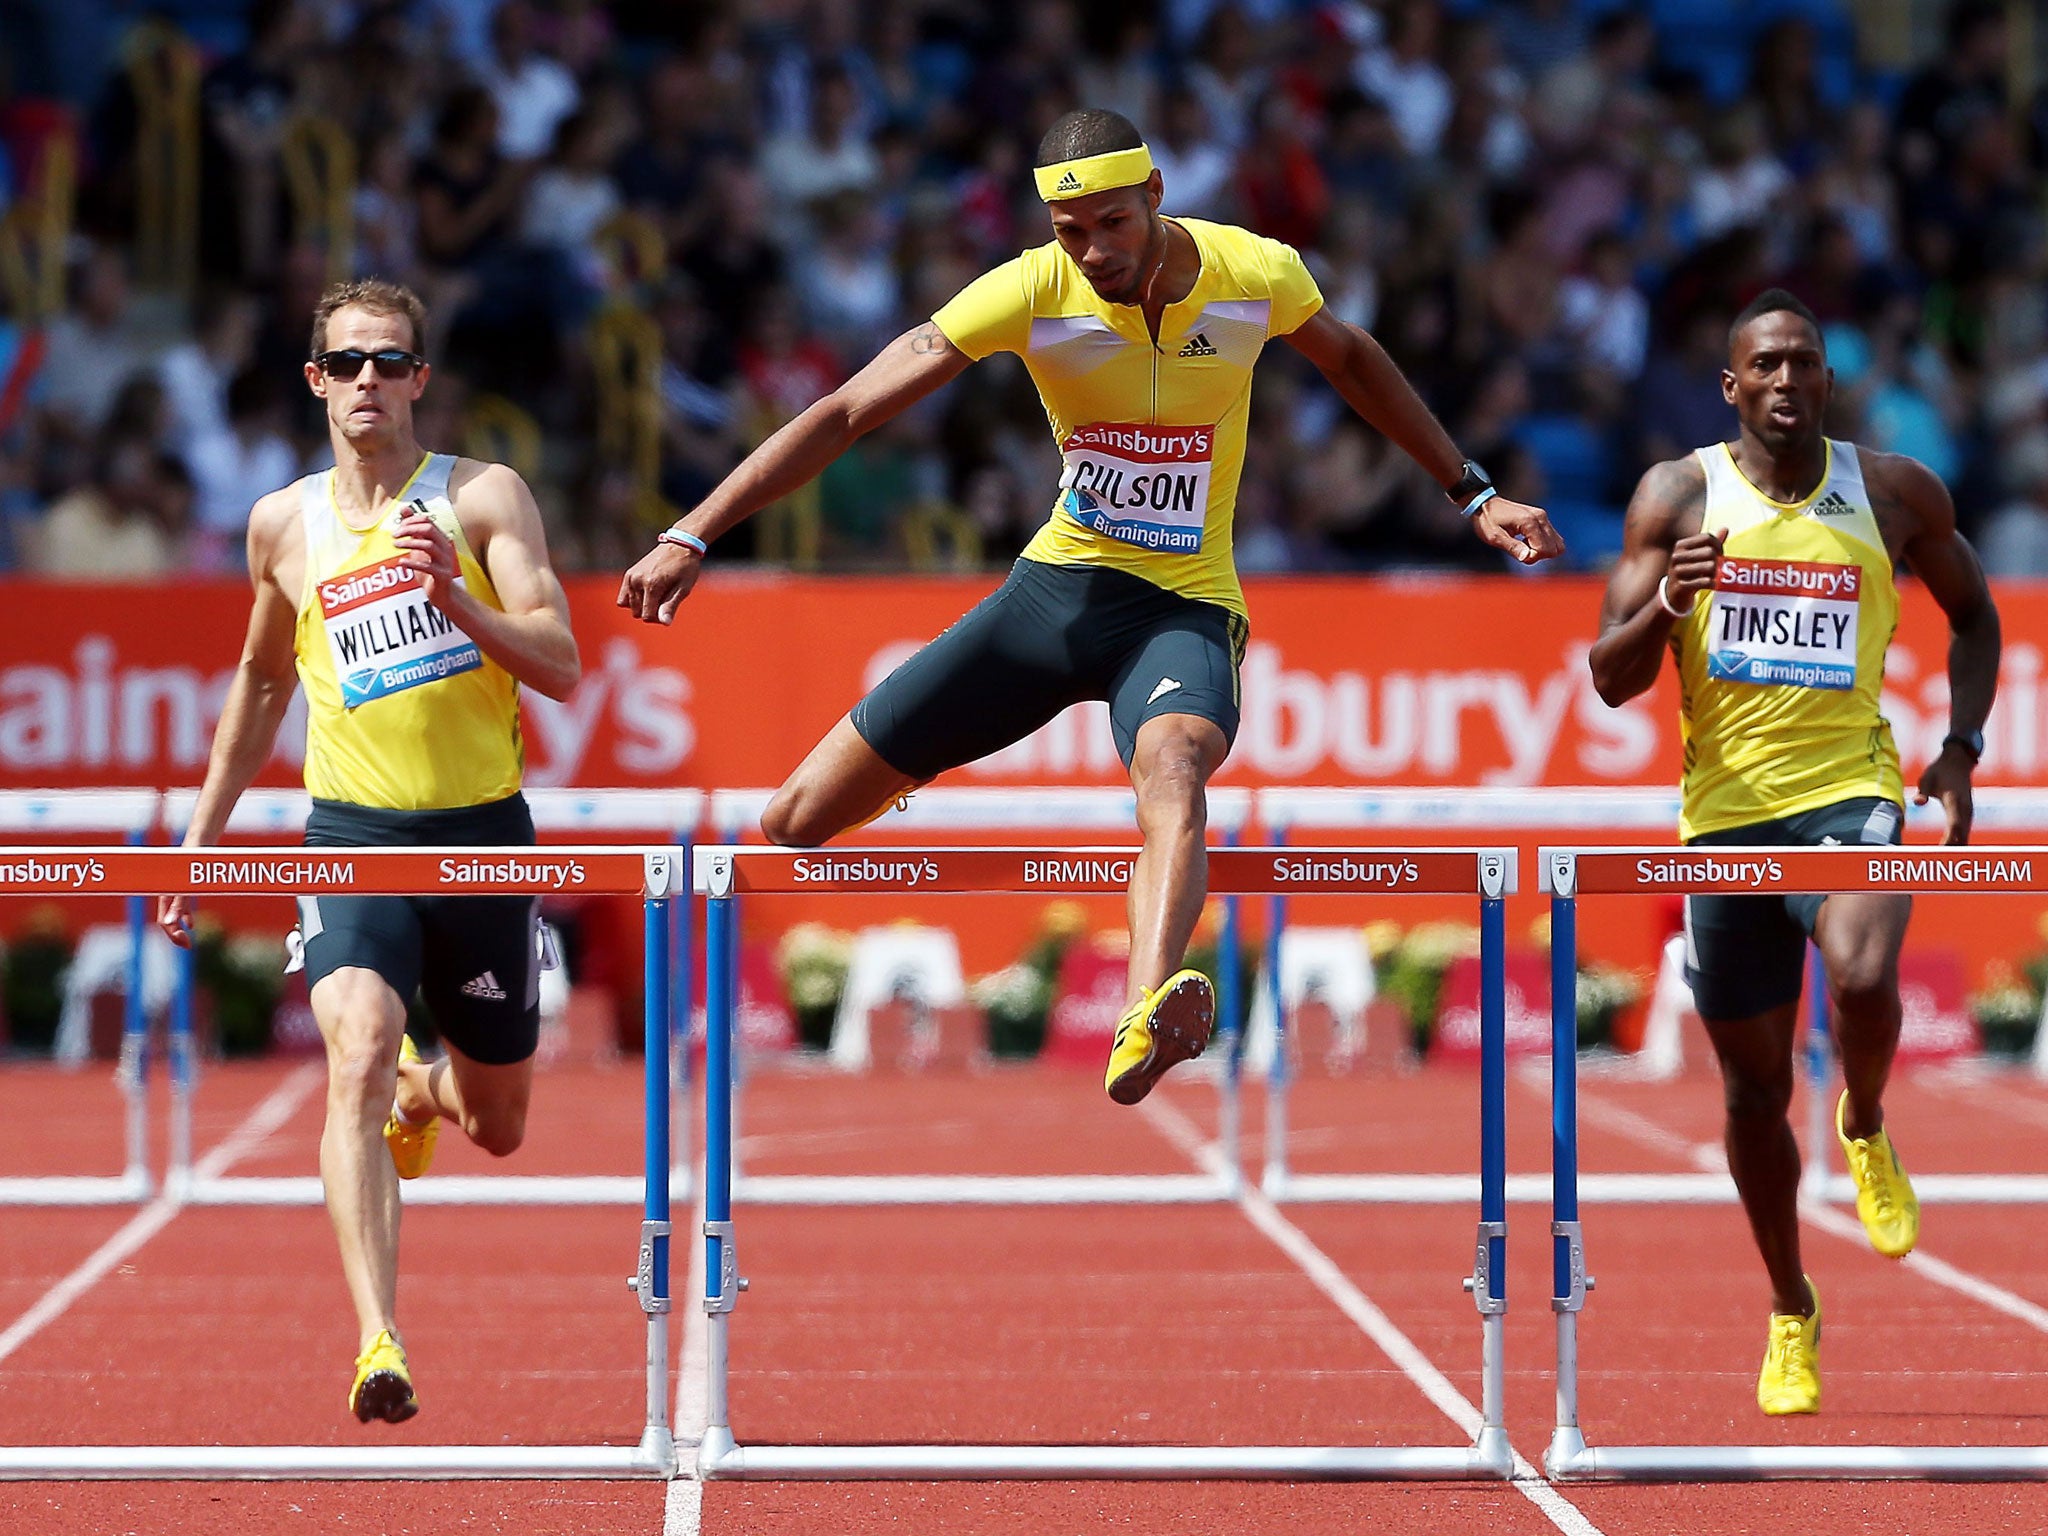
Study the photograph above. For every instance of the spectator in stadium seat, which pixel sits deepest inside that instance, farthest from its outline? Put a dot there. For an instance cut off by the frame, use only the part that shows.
(828, 157)
(92, 349)
(533, 92)
(111, 527)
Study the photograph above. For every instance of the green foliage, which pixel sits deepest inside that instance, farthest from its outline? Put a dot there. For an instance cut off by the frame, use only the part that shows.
(1603, 992)
(1410, 970)
(32, 972)
(812, 961)
(244, 978)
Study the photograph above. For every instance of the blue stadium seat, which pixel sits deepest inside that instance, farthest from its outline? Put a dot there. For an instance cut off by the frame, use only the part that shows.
(1573, 455)
(1591, 531)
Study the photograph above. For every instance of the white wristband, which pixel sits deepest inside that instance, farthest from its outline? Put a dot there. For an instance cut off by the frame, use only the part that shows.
(684, 539)
(1664, 601)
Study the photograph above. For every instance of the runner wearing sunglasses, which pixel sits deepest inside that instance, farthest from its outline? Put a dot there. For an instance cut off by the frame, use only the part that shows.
(1141, 333)
(410, 594)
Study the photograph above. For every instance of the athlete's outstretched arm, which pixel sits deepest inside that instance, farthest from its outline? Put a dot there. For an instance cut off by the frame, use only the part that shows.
(901, 374)
(531, 637)
(258, 696)
(1666, 561)
(1944, 561)
(1359, 369)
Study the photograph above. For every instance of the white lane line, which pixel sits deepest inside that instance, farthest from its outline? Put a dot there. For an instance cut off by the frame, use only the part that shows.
(263, 1121)
(1331, 1280)
(683, 1512)
(1826, 1218)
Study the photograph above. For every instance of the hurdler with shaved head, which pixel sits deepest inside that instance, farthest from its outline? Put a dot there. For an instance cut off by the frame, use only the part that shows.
(1141, 333)
(1765, 567)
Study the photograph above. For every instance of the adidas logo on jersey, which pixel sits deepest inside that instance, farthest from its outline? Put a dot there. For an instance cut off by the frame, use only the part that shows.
(1069, 183)
(486, 987)
(1834, 504)
(1197, 346)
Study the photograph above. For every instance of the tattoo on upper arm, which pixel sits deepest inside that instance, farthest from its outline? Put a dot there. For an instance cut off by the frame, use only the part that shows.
(928, 338)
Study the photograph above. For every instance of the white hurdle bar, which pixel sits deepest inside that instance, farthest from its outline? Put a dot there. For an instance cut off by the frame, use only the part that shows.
(723, 874)
(128, 813)
(1569, 873)
(652, 874)
(282, 813)
(1048, 809)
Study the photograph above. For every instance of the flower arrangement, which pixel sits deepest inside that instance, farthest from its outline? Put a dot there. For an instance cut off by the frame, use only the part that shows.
(812, 960)
(1603, 992)
(1410, 968)
(1017, 1000)
(2008, 1010)
(243, 976)
(32, 982)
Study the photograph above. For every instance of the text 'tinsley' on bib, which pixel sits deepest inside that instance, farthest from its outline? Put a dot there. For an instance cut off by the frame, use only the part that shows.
(1786, 623)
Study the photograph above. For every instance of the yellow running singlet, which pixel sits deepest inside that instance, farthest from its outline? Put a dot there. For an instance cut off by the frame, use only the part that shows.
(1152, 435)
(403, 711)
(1780, 666)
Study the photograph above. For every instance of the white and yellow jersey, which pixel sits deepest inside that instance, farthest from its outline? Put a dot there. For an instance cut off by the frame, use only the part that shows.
(403, 711)
(1152, 435)
(1781, 665)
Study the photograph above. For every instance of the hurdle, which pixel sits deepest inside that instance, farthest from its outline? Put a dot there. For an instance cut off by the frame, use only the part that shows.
(1570, 873)
(975, 809)
(653, 875)
(278, 813)
(129, 813)
(724, 874)
(1285, 810)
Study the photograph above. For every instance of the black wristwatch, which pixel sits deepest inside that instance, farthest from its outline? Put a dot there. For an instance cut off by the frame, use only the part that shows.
(1971, 742)
(1473, 490)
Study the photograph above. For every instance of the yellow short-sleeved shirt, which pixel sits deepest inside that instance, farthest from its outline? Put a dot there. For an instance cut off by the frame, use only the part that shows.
(1152, 435)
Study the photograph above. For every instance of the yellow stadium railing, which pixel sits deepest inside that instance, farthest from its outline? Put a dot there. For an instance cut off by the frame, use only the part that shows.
(37, 231)
(938, 536)
(625, 359)
(497, 430)
(163, 69)
(319, 162)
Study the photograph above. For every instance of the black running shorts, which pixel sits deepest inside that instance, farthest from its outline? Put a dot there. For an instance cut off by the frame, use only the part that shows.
(473, 960)
(1745, 955)
(1049, 637)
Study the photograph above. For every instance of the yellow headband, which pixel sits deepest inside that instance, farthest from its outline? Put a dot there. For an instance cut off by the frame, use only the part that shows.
(1096, 173)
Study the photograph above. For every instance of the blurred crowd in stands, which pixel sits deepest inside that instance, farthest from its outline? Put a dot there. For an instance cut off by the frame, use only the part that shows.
(650, 232)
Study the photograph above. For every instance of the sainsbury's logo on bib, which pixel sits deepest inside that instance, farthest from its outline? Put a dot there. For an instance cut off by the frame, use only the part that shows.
(1784, 623)
(1140, 484)
(385, 637)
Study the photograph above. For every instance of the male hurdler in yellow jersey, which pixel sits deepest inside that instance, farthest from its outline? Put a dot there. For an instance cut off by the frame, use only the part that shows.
(1766, 567)
(409, 593)
(1141, 333)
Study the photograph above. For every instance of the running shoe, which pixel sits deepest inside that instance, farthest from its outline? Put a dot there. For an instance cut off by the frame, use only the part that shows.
(1884, 1195)
(1163, 1028)
(1790, 1381)
(412, 1146)
(383, 1384)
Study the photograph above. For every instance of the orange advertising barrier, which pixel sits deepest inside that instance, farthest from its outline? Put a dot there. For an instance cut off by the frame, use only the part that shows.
(334, 871)
(1352, 680)
(1772, 871)
(1101, 871)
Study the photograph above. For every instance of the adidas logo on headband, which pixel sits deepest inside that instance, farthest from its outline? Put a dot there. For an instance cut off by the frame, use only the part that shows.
(1070, 183)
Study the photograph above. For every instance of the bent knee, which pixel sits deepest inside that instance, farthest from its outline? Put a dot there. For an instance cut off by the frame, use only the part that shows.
(499, 1133)
(362, 1066)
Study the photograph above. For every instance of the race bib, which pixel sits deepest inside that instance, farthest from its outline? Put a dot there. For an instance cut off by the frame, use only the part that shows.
(1142, 485)
(385, 637)
(1786, 623)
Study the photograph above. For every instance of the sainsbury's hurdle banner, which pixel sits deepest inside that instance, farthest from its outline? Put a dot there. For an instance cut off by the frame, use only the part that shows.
(1347, 680)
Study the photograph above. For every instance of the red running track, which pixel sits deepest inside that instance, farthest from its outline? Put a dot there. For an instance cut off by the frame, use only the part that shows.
(1102, 1325)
